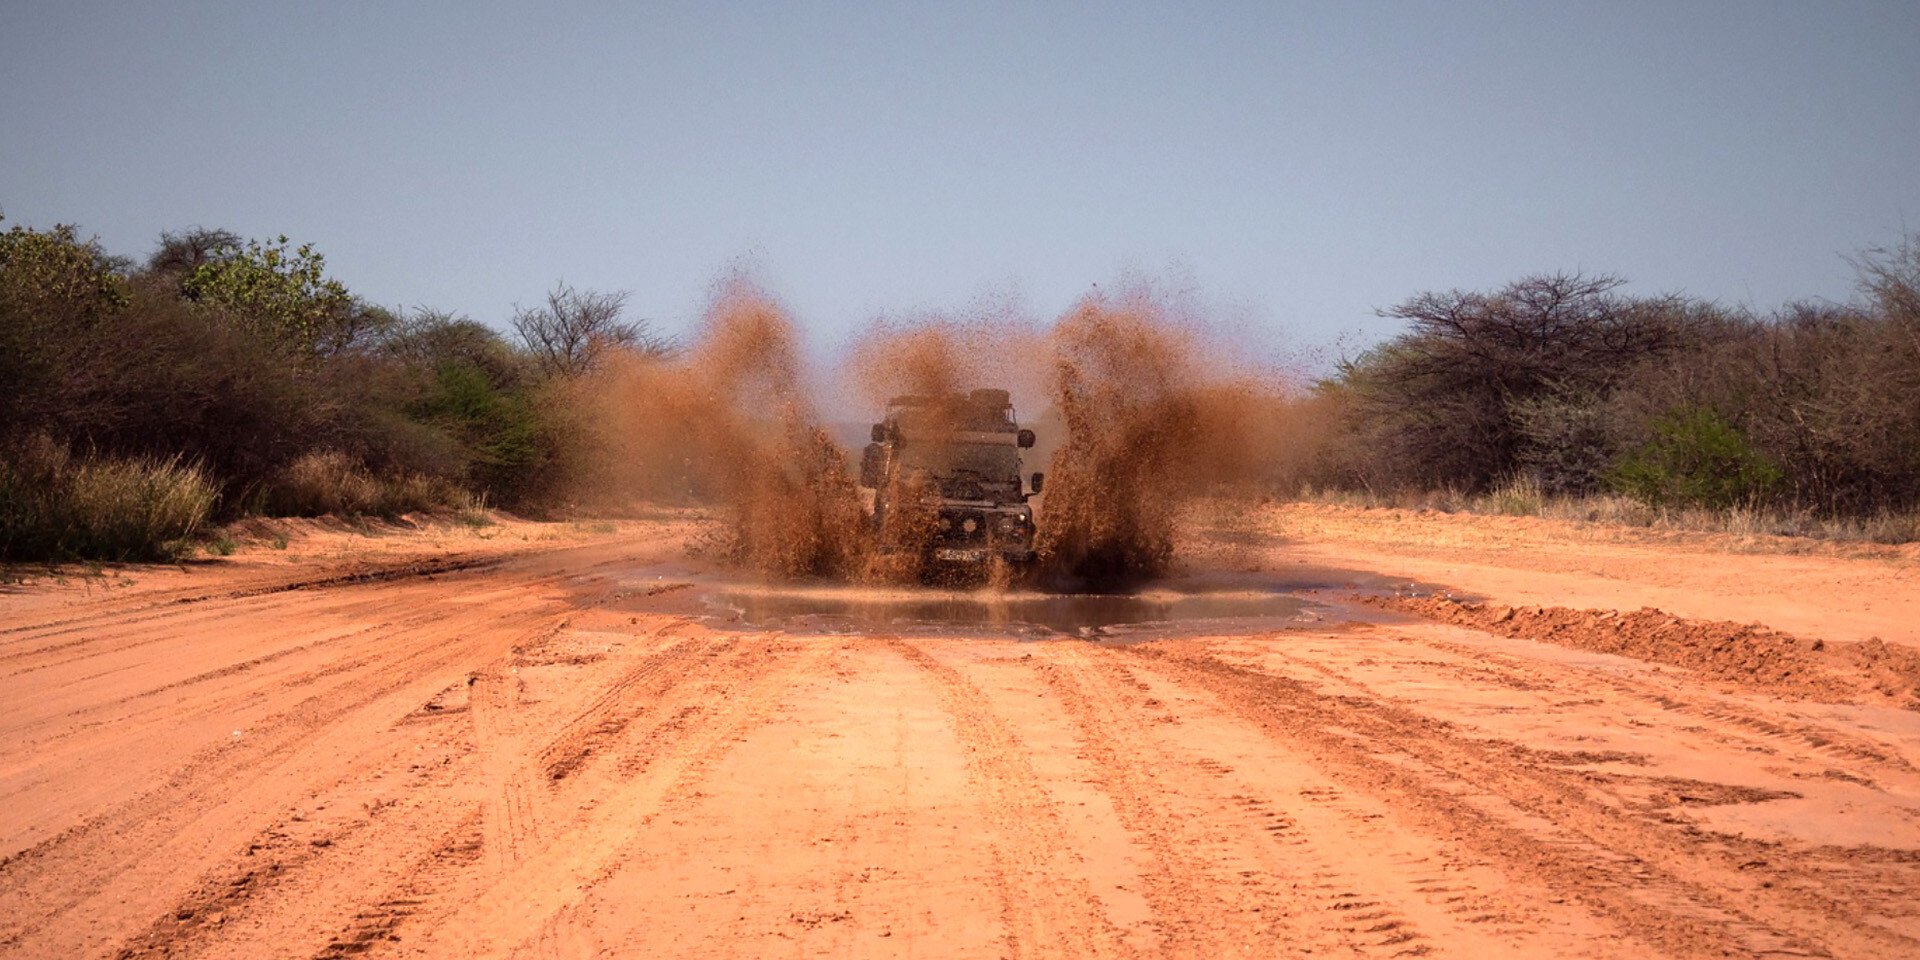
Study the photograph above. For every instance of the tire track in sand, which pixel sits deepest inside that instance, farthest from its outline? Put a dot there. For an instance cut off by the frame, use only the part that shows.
(1660, 887)
(1303, 860)
(454, 853)
(1045, 910)
(299, 872)
(519, 909)
(369, 888)
(520, 770)
(1690, 698)
(111, 853)
(512, 805)
(1200, 912)
(1850, 882)
(612, 711)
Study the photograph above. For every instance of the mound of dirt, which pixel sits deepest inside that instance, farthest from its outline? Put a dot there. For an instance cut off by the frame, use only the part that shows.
(1889, 668)
(1747, 654)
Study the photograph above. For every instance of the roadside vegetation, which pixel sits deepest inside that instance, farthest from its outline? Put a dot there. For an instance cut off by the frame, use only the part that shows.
(146, 402)
(223, 377)
(1560, 396)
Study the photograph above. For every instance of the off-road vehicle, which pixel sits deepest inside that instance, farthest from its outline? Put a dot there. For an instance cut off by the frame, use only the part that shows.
(960, 455)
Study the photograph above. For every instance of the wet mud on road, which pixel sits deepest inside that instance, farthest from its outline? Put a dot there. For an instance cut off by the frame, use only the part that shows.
(1176, 606)
(602, 750)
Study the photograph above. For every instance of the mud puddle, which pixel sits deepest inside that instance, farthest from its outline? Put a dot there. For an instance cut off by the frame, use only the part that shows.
(1020, 614)
(1213, 602)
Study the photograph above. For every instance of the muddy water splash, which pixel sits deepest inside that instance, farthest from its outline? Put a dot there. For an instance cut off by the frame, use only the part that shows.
(1152, 419)
(1141, 415)
(730, 422)
(937, 355)
(794, 508)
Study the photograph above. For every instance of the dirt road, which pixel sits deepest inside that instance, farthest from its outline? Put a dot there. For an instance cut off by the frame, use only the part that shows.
(555, 749)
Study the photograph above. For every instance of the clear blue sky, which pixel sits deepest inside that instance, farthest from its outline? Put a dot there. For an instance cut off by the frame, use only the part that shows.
(1302, 164)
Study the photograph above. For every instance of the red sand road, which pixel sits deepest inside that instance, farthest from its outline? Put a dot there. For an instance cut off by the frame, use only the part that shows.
(519, 752)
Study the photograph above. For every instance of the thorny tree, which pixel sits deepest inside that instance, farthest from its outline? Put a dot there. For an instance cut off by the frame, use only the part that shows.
(1449, 396)
(575, 328)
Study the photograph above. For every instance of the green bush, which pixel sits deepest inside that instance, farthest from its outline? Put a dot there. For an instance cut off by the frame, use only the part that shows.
(1696, 459)
(56, 506)
(280, 293)
(56, 293)
(1566, 444)
(500, 431)
(272, 379)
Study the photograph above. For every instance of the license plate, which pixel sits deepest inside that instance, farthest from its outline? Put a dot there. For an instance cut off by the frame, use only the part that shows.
(961, 554)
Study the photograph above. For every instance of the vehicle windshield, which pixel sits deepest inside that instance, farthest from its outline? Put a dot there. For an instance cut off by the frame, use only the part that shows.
(993, 462)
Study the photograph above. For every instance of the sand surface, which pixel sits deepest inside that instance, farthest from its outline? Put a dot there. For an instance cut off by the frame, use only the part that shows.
(547, 741)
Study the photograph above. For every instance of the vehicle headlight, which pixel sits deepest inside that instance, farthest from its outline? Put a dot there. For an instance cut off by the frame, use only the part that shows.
(969, 525)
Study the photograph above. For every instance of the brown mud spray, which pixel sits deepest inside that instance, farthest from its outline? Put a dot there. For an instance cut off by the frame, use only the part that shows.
(1146, 418)
(1152, 420)
(730, 422)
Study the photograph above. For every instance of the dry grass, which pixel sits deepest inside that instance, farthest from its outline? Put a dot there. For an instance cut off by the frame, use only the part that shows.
(333, 483)
(58, 506)
(1525, 499)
